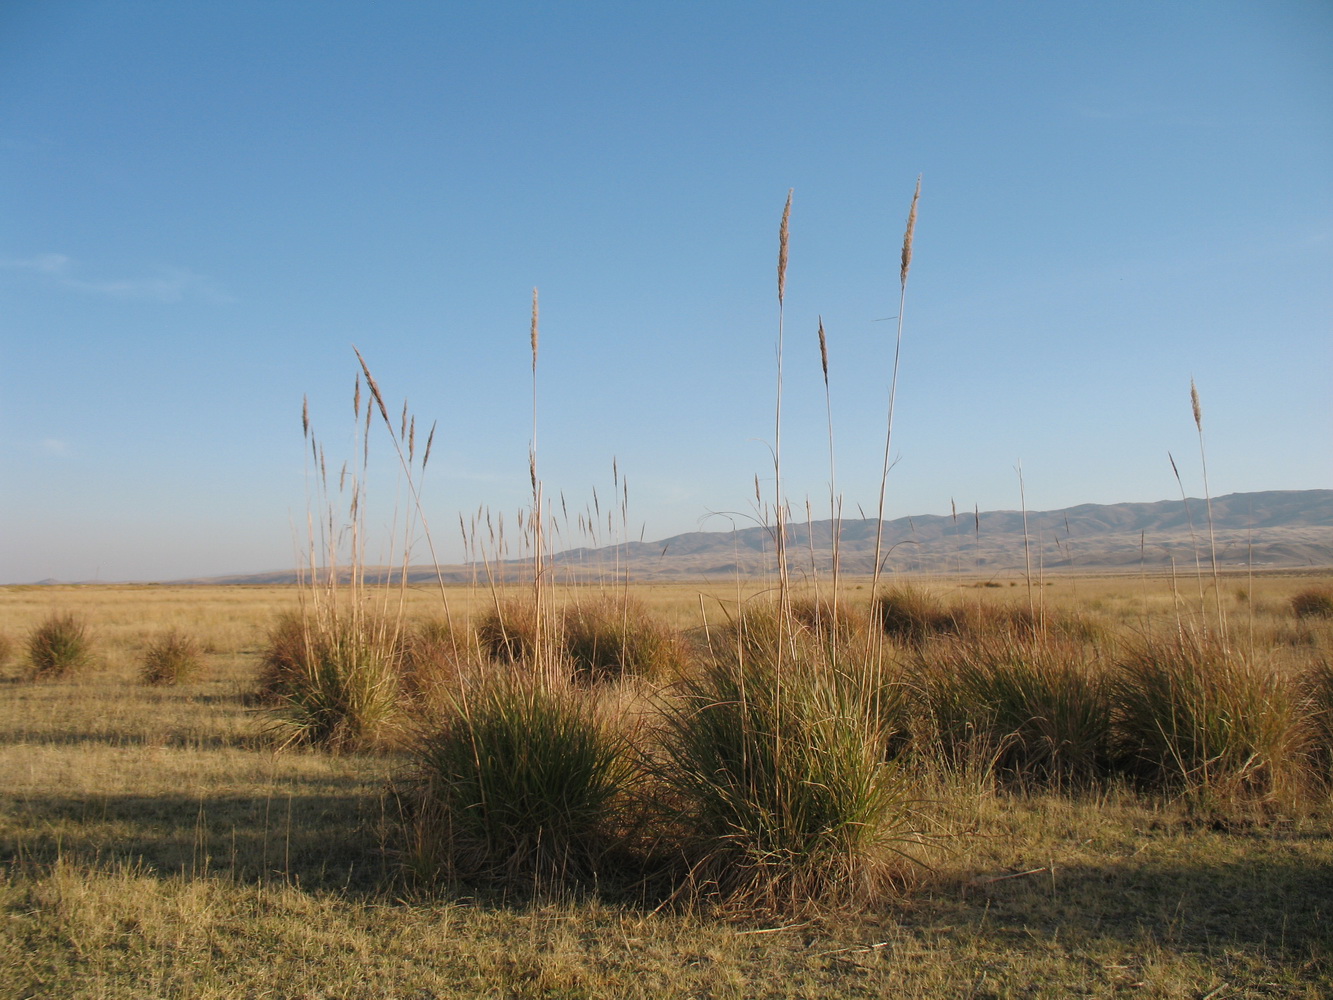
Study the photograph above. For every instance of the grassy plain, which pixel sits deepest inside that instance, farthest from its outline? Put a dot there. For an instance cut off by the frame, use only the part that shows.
(155, 842)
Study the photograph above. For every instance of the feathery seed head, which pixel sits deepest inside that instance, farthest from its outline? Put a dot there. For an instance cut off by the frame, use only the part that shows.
(823, 351)
(430, 440)
(1194, 403)
(534, 330)
(374, 389)
(911, 232)
(782, 248)
(305, 416)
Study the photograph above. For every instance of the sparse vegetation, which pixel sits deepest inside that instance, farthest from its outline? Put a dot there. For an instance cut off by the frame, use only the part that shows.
(278, 873)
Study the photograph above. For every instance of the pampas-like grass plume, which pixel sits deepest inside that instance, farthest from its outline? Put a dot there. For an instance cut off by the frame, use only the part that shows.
(911, 232)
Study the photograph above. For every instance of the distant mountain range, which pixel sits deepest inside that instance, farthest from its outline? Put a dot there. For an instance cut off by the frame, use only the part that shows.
(1272, 530)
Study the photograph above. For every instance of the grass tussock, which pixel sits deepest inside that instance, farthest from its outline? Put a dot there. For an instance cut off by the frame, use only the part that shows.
(1313, 602)
(778, 769)
(508, 632)
(434, 655)
(1197, 716)
(1031, 706)
(171, 658)
(1317, 691)
(519, 782)
(617, 636)
(909, 615)
(58, 647)
(332, 676)
(822, 617)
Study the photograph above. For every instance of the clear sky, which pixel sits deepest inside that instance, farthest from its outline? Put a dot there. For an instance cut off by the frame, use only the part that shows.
(204, 206)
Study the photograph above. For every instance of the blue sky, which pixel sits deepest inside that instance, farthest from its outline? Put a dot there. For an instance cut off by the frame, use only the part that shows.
(204, 206)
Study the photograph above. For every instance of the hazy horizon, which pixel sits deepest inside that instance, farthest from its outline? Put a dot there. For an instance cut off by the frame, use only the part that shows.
(206, 206)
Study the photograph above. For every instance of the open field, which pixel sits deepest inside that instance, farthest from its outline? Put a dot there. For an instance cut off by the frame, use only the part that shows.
(156, 841)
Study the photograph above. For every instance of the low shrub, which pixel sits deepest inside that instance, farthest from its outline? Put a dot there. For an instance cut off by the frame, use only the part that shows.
(172, 658)
(59, 646)
(518, 782)
(1316, 602)
(332, 676)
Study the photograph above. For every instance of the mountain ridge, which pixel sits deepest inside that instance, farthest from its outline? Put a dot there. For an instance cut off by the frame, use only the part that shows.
(1263, 530)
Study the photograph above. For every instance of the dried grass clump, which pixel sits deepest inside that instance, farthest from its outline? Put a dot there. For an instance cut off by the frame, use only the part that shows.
(1316, 602)
(518, 782)
(1195, 715)
(172, 658)
(614, 637)
(508, 632)
(434, 654)
(778, 769)
(58, 647)
(332, 676)
(822, 618)
(1032, 708)
(6, 649)
(911, 616)
(1317, 689)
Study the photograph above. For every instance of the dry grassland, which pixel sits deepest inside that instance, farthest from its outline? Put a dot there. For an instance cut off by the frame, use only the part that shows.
(155, 842)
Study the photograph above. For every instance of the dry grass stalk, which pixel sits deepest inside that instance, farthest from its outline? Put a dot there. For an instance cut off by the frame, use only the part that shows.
(780, 506)
(1208, 503)
(908, 237)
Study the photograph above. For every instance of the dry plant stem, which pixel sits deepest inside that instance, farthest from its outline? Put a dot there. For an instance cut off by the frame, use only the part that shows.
(832, 476)
(893, 382)
(1194, 543)
(538, 645)
(780, 505)
(405, 463)
(1027, 550)
(1208, 503)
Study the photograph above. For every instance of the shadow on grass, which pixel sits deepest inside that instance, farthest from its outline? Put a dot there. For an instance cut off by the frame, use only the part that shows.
(177, 740)
(1263, 899)
(322, 837)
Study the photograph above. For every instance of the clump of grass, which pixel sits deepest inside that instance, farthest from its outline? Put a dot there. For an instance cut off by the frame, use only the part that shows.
(59, 646)
(1315, 602)
(1317, 688)
(332, 674)
(509, 631)
(6, 649)
(519, 782)
(778, 768)
(1030, 704)
(434, 653)
(172, 658)
(1195, 715)
(613, 637)
(825, 619)
(911, 616)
